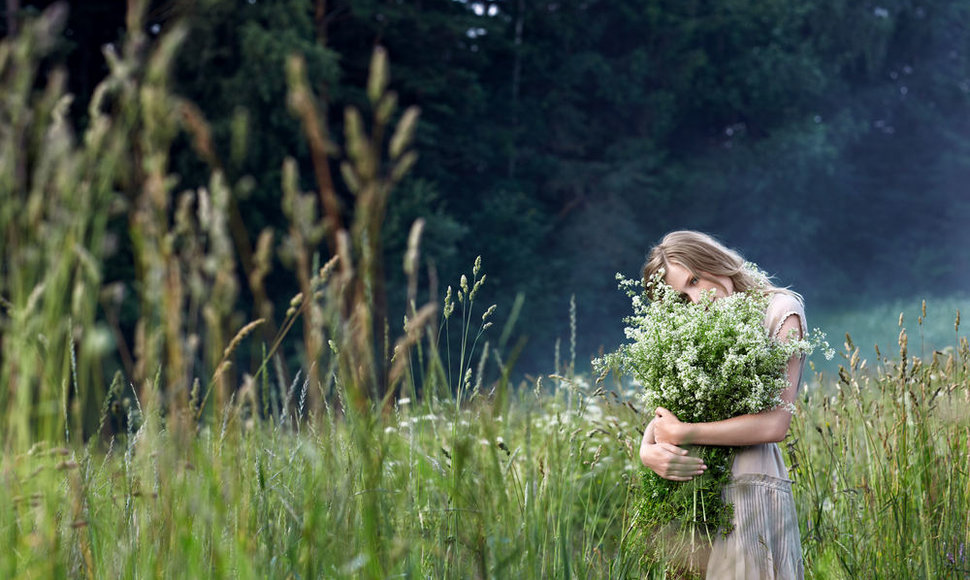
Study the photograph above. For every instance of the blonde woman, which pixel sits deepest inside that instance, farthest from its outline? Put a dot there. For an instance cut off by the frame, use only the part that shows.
(765, 542)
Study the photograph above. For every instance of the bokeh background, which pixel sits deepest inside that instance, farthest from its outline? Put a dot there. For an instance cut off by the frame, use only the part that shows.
(827, 140)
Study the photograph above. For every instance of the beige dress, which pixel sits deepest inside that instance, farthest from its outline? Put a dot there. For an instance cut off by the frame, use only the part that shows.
(765, 542)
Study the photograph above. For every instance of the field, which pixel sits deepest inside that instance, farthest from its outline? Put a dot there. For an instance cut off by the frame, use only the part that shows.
(524, 482)
(405, 452)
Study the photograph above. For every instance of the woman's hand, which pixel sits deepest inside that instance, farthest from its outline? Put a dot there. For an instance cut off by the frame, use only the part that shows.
(668, 428)
(667, 460)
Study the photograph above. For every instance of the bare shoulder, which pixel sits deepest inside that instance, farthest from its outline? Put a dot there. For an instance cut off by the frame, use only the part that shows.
(786, 313)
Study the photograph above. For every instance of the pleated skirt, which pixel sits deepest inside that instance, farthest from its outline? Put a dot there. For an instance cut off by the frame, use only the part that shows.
(765, 542)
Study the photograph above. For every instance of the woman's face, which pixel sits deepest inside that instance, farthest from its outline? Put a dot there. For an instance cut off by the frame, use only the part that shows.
(692, 286)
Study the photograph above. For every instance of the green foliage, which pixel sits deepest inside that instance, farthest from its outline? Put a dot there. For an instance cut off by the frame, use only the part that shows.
(232, 65)
(821, 137)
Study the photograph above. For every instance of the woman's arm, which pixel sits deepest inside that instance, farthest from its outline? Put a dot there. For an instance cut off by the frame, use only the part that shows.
(667, 460)
(765, 427)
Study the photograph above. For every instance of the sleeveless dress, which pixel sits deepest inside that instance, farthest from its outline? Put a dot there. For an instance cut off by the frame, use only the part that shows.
(765, 542)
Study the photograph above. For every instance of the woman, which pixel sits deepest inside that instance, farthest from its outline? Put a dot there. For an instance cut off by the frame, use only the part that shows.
(765, 542)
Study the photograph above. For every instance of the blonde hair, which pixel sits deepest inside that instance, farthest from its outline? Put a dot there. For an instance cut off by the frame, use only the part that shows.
(702, 254)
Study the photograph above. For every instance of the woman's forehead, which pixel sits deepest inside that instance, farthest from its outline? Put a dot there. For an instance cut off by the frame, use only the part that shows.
(677, 274)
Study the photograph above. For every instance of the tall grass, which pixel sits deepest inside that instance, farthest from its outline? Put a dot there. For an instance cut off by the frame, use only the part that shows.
(882, 459)
(379, 456)
(369, 460)
(56, 200)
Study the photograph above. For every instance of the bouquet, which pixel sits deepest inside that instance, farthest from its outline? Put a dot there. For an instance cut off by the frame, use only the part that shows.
(704, 362)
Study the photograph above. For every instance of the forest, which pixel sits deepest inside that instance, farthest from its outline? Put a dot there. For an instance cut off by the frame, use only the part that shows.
(827, 140)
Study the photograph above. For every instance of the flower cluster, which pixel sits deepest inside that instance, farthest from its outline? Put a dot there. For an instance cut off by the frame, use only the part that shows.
(707, 361)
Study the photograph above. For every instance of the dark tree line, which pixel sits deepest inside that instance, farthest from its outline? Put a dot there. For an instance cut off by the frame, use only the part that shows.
(828, 139)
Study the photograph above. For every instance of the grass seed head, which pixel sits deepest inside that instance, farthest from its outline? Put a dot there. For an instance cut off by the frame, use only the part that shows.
(414, 241)
(489, 312)
(477, 285)
(379, 76)
(243, 333)
(404, 133)
(449, 305)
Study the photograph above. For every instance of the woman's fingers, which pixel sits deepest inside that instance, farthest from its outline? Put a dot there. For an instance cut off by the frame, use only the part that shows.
(676, 450)
(677, 465)
(670, 461)
(684, 470)
(681, 457)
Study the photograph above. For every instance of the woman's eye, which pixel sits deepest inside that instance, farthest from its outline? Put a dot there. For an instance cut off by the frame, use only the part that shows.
(693, 281)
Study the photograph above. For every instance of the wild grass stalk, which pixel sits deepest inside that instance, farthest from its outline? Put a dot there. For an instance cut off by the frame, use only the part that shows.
(56, 197)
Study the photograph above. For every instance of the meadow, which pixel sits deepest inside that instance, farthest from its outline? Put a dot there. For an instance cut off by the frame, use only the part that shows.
(367, 451)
